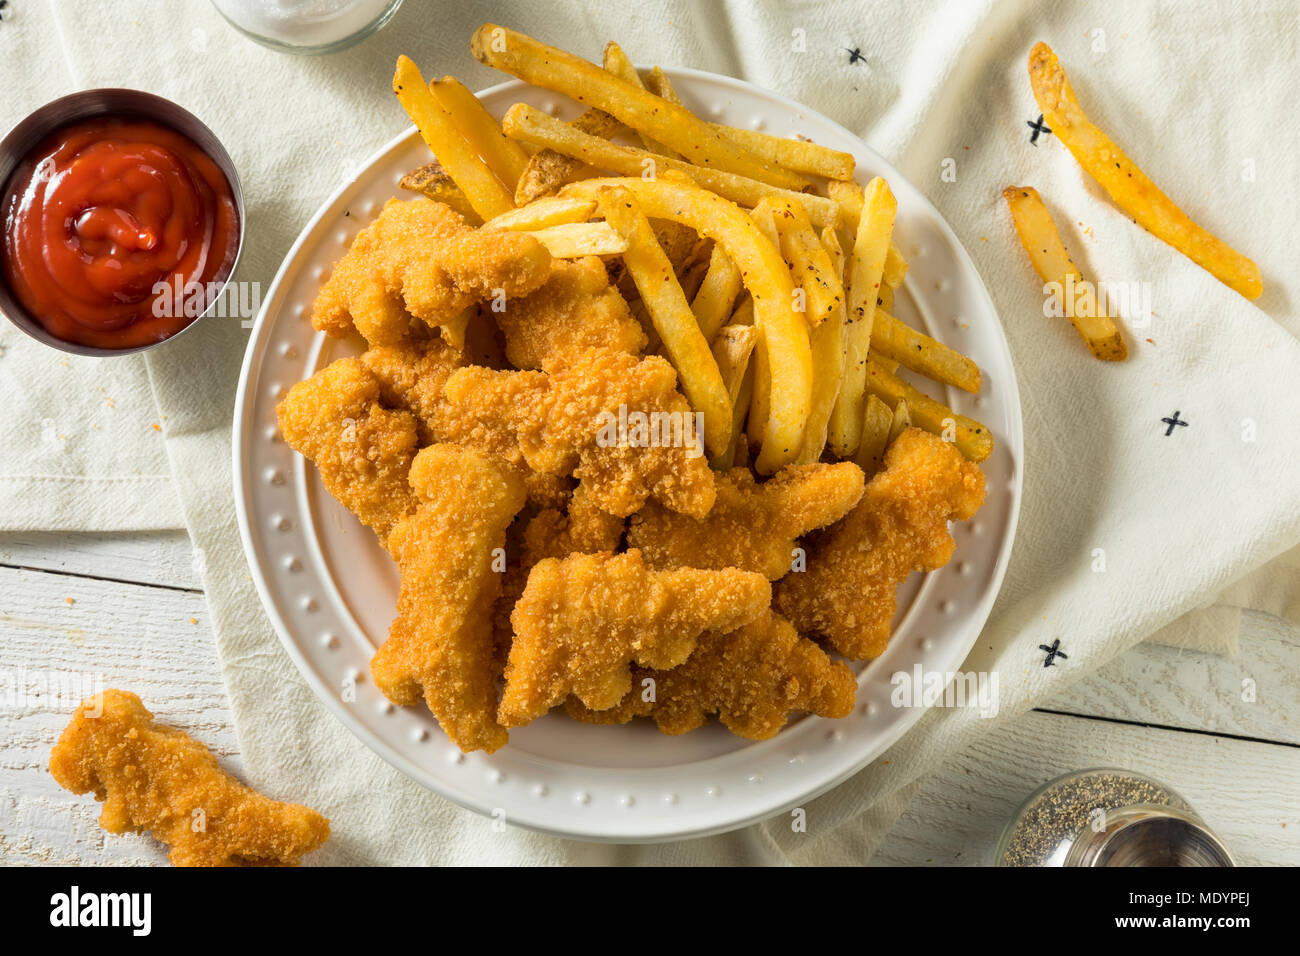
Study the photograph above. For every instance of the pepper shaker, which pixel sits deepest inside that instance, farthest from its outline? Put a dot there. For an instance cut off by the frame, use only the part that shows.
(1108, 817)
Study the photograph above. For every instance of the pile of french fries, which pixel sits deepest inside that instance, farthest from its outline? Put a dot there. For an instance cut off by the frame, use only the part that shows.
(762, 271)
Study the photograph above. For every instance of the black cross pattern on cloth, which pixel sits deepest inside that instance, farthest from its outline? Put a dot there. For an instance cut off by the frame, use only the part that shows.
(1172, 423)
(1053, 652)
(1038, 126)
(855, 55)
(3, 4)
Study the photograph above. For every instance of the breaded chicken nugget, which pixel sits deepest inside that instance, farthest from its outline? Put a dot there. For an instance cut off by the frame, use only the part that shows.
(566, 420)
(362, 450)
(575, 310)
(900, 526)
(420, 259)
(751, 526)
(583, 621)
(156, 778)
(440, 647)
(754, 678)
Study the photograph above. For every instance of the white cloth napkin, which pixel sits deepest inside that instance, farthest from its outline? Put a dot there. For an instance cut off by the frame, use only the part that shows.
(1179, 517)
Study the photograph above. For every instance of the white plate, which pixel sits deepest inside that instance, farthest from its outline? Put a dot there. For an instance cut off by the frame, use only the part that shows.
(330, 590)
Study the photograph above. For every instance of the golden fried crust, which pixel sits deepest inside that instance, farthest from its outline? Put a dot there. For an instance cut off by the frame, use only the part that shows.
(412, 375)
(575, 310)
(900, 526)
(583, 528)
(419, 258)
(440, 647)
(155, 778)
(754, 678)
(583, 620)
(751, 526)
(560, 420)
(362, 450)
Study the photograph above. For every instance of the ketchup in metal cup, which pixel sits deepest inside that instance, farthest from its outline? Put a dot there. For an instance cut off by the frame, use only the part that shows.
(102, 216)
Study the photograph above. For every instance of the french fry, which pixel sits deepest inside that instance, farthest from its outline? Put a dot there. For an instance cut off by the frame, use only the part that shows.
(849, 197)
(800, 155)
(812, 267)
(866, 267)
(972, 438)
(888, 364)
(530, 125)
(732, 348)
(432, 181)
(810, 264)
(480, 129)
(827, 342)
(547, 171)
(480, 185)
(1038, 235)
(659, 84)
(744, 313)
(691, 280)
(915, 350)
(877, 423)
(900, 420)
(764, 218)
(783, 333)
(895, 267)
(544, 213)
(713, 303)
(673, 125)
(1130, 188)
(671, 314)
(617, 62)
(831, 243)
(885, 300)
(574, 240)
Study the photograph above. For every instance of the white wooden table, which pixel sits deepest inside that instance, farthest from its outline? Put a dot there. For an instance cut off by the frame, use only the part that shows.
(130, 607)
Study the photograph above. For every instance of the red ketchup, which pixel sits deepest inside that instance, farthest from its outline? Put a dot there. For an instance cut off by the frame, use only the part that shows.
(101, 215)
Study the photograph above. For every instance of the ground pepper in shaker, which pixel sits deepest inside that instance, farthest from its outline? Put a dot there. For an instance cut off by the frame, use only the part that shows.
(1108, 817)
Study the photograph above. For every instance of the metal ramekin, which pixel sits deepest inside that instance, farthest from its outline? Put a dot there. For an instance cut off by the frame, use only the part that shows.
(88, 104)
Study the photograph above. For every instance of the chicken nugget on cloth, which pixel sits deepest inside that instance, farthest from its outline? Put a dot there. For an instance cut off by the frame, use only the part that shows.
(584, 620)
(420, 264)
(582, 416)
(751, 526)
(440, 647)
(362, 449)
(156, 778)
(753, 678)
(848, 593)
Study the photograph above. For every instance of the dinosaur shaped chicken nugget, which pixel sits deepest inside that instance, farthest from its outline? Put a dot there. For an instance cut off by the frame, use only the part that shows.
(752, 527)
(440, 647)
(583, 621)
(565, 421)
(419, 259)
(753, 677)
(899, 526)
(157, 778)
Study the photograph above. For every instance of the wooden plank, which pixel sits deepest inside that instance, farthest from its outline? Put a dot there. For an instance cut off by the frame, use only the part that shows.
(163, 558)
(1249, 793)
(152, 641)
(1254, 694)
